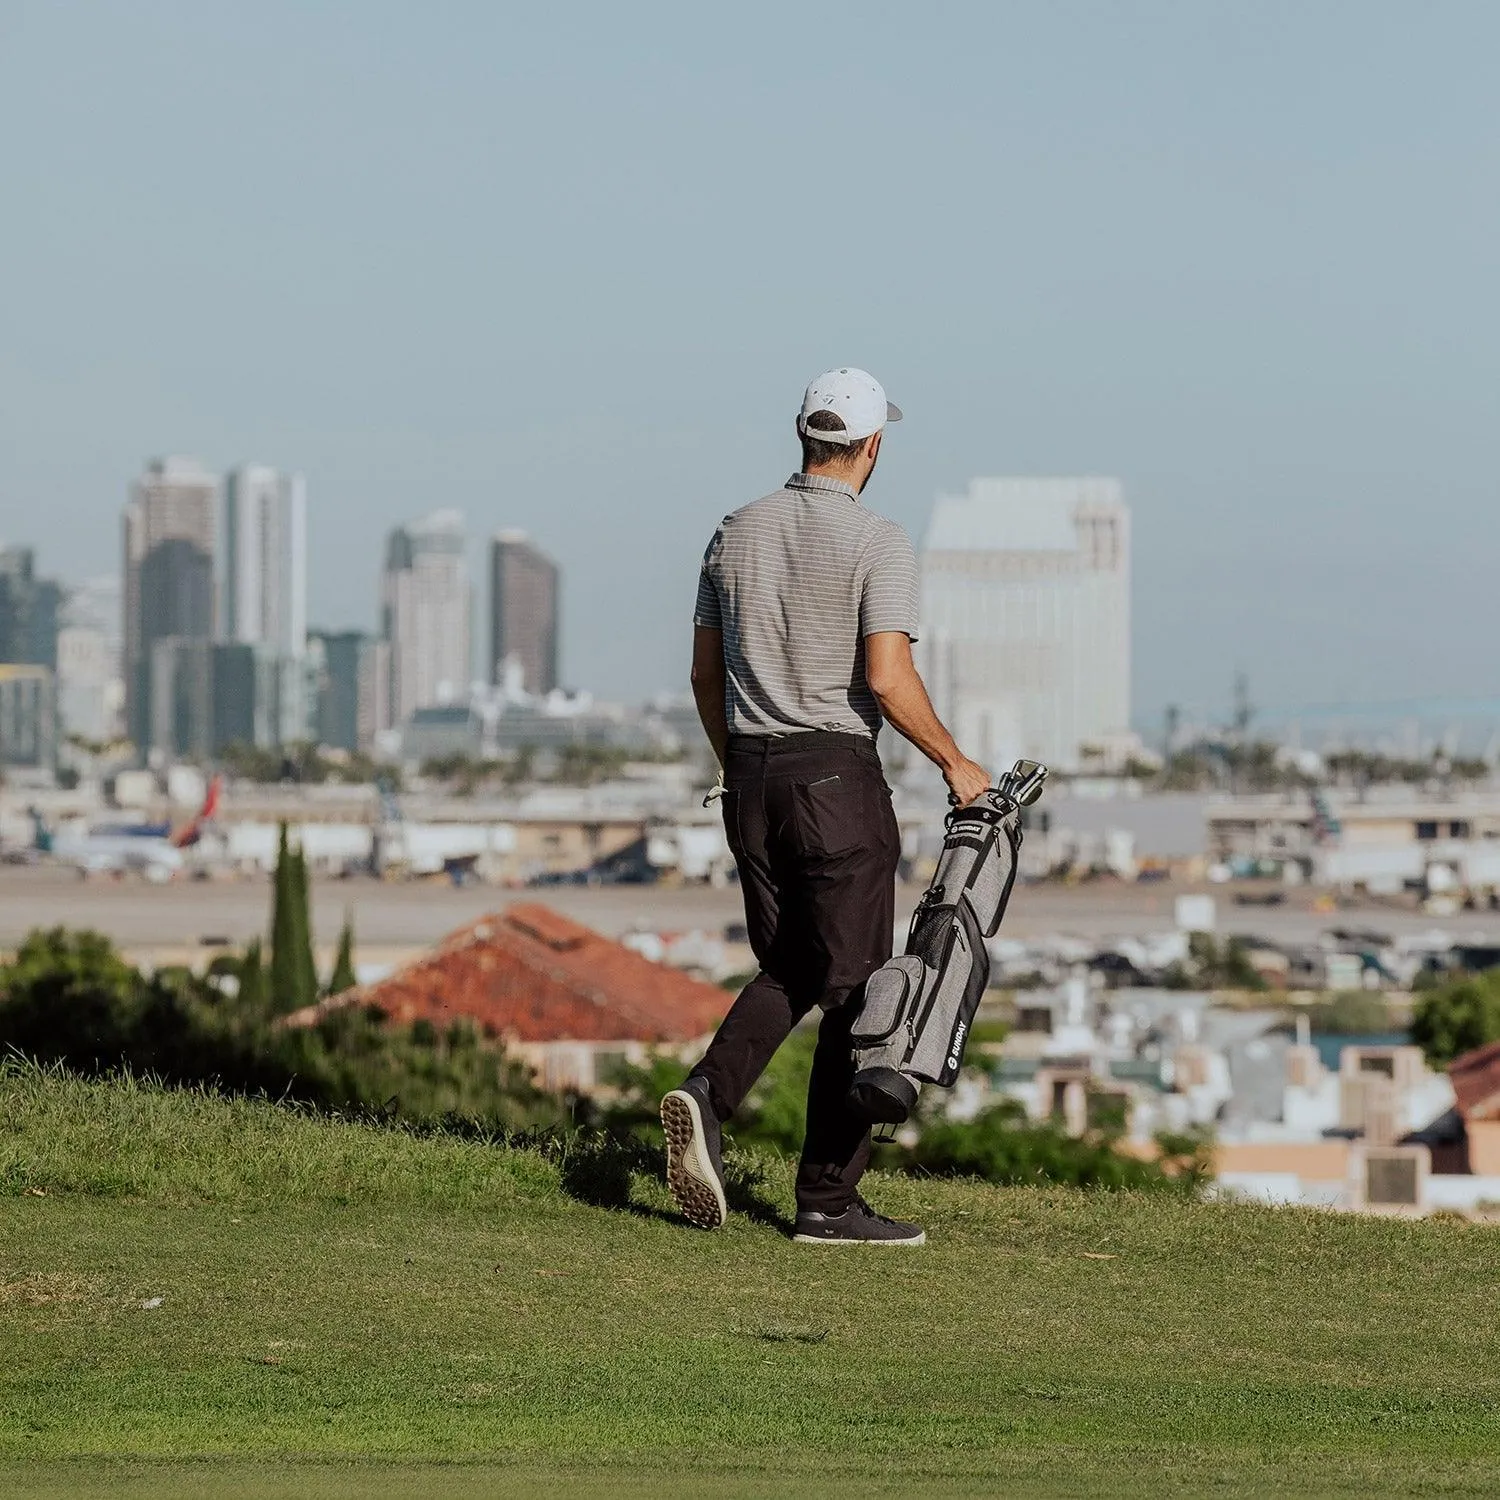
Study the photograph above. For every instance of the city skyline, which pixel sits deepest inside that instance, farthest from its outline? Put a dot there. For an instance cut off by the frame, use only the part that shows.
(1091, 245)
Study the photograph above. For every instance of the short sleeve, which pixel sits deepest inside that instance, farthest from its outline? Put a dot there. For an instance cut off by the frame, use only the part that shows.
(888, 599)
(708, 612)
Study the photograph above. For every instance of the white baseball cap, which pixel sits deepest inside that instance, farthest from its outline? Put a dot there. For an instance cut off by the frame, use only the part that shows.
(855, 396)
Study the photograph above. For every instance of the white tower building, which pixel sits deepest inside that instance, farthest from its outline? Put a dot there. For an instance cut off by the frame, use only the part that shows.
(264, 597)
(425, 606)
(1026, 618)
(265, 559)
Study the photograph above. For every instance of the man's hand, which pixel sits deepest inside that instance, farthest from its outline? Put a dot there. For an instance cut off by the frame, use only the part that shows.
(967, 780)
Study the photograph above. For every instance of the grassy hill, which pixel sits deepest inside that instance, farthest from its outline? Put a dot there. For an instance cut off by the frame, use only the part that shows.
(349, 1310)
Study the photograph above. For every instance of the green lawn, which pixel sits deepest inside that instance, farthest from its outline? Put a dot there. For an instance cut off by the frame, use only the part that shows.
(350, 1311)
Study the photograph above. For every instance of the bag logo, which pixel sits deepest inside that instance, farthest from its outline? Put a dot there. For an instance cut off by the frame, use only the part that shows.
(956, 1052)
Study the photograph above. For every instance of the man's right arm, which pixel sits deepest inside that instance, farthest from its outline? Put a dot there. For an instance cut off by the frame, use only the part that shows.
(708, 688)
(899, 690)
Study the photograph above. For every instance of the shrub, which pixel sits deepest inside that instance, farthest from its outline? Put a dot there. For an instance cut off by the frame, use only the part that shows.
(1456, 1017)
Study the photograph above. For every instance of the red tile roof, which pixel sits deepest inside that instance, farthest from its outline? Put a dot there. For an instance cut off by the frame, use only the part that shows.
(1476, 1082)
(529, 974)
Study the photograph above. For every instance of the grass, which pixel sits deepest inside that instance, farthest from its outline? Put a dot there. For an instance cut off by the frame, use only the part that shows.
(352, 1310)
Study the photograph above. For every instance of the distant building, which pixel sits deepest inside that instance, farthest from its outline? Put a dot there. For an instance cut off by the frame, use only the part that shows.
(247, 684)
(569, 1003)
(169, 536)
(425, 610)
(1026, 618)
(90, 690)
(265, 587)
(29, 610)
(523, 614)
(28, 725)
(265, 558)
(180, 673)
(351, 671)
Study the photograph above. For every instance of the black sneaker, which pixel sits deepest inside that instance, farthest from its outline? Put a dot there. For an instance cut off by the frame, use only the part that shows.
(695, 1172)
(859, 1224)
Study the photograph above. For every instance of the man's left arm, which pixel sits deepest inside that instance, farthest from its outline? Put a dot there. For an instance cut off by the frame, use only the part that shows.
(708, 687)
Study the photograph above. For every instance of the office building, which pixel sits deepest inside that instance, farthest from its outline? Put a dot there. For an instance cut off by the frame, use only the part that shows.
(180, 718)
(29, 610)
(28, 725)
(351, 672)
(425, 615)
(264, 595)
(523, 615)
(248, 683)
(1026, 618)
(90, 692)
(265, 559)
(169, 534)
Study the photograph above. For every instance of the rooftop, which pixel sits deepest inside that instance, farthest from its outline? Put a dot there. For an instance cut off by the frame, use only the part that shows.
(1017, 515)
(1476, 1082)
(529, 974)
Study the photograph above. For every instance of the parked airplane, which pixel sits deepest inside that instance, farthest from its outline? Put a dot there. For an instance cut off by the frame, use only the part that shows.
(150, 849)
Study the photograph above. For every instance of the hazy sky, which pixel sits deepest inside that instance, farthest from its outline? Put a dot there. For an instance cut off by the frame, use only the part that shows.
(568, 268)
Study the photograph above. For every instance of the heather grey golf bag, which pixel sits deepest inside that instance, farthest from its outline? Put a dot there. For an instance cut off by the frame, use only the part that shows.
(919, 1007)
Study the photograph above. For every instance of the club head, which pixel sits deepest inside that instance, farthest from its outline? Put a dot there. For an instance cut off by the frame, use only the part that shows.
(1024, 782)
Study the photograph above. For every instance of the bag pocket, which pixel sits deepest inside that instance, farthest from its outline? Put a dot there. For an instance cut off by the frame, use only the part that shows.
(943, 1027)
(891, 995)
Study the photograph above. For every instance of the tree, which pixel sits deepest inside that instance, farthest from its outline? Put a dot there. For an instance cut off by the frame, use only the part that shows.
(1456, 1017)
(343, 976)
(307, 968)
(293, 976)
(252, 996)
(68, 996)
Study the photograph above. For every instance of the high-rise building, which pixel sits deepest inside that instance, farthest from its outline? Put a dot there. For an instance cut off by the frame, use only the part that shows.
(425, 614)
(1026, 618)
(352, 672)
(247, 682)
(29, 609)
(90, 690)
(181, 674)
(523, 614)
(265, 559)
(264, 600)
(28, 727)
(170, 528)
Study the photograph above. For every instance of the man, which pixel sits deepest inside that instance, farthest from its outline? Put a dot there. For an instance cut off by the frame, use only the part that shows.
(806, 613)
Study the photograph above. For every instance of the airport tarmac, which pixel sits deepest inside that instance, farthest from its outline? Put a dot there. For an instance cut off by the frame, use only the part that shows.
(189, 914)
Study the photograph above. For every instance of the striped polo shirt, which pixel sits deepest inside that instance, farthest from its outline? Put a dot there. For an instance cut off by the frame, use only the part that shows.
(796, 581)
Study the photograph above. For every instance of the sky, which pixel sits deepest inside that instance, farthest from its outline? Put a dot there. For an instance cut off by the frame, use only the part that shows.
(568, 268)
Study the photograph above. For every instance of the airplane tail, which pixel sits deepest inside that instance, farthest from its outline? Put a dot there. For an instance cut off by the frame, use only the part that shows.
(189, 834)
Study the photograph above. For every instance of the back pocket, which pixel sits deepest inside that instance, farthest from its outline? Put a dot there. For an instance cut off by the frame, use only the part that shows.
(834, 815)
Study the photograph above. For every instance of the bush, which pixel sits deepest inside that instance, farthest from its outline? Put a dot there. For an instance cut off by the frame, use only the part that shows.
(1456, 1017)
(69, 998)
(1348, 1013)
(1002, 1145)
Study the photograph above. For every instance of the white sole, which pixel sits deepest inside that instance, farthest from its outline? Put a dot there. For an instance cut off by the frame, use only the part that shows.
(691, 1180)
(818, 1239)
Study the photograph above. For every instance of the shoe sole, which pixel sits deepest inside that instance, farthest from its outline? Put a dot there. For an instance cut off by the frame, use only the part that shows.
(692, 1181)
(819, 1239)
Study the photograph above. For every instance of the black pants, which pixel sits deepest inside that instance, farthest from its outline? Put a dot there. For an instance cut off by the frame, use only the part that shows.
(810, 825)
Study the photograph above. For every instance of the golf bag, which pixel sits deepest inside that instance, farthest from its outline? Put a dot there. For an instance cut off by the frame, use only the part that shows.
(918, 1008)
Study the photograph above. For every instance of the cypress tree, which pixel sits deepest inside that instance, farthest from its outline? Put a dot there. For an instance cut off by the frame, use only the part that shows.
(252, 993)
(343, 977)
(285, 971)
(307, 969)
